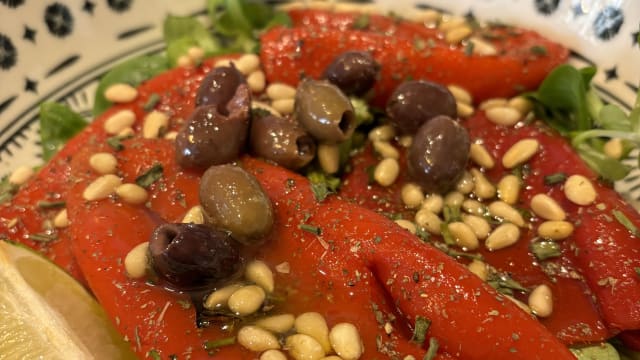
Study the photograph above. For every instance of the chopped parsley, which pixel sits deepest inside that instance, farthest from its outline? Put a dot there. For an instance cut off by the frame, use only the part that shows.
(504, 284)
(116, 142)
(154, 354)
(624, 220)
(420, 330)
(361, 22)
(151, 102)
(539, 50)
(7, 190)
(433, 349)
(212, 345)
(42, 237)
(150, 176)
(545, 249)
(310, 228)
(556, 178)
(323, 185)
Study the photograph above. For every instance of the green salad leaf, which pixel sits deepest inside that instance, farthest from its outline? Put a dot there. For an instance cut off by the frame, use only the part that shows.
(58, 124)
(603, 351)
(183, 32)
(132, 72)
(568, 103)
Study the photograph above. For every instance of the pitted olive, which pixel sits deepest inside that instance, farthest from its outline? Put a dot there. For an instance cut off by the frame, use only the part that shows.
(354, 72)
(324, 111)
(193, 256)
(438, 154)
(282, 141)
(232, 199)
(218, 87)
(415, 102)
(211, 138)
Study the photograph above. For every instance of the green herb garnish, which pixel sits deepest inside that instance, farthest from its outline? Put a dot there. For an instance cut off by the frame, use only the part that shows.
(212, 345)
(504, 284)
(7, 190)
(361, 22)
(420, 330)
(310, 228)
(42, 237)
(150, 176)
(322, 185)
(556, 178)
(433, 349)
(624, 220)
(154, 354)
(43, 204)
(545, 249)
(151, 102)
(539, 50)
(115, 142)
(58, 124)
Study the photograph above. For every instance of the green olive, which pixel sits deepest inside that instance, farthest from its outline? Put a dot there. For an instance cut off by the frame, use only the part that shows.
(233, 200)
(324, 111)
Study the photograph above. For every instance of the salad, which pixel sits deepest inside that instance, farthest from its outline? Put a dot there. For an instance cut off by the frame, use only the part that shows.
(309, 183)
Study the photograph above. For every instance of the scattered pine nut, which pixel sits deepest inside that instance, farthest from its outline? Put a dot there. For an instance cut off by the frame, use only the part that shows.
(196, 53)
(279, 324)
(433, 202)
(465, 184)
(520, 152)
(329, 157)
(385, 149)
(283, 106)
(494, 102)
(412, 195)
(246, 300)
(119, 121)
(303, 347)
(171, 135)
(503, 236)
(135, 263)
(454, 199)
(481, 156)
(523, 105)
(346, 341)
(426, 16)
(555, 230)
(128, 131)
(247, 63)
(614, 148)
(386, 172)
(479, 268)
(541, 301)
(405, 141)
(547, 208)
(314, 325)
(120, 93)
(382, 133)
(132, 193)
(263, 106)
(463, 235)
(278, 91)
(223, 63)
(273, 354)
(154, 124)
(256, 81)
(503, 115)
(502, 210)
(103, 163)
(464, 110)
(257, 339)
(259, 273)
(456, 35)
(194, 216)
(21, 175)
(283, 267)
(479, 225)
(407, 225)
(482, 47)
(220, 297)
(509, 189)
(579, 190)
(474, 207)
(460, 94)
(449, 22)
(184, 61)
(61, 220)
(429, 221)
(483, 188)
(101, 187)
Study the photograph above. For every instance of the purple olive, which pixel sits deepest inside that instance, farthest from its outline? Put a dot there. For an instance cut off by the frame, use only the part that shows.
(282, 141)
(193, 256)
(415, 102)
(438, 154)
(354, 72)
(218, 87)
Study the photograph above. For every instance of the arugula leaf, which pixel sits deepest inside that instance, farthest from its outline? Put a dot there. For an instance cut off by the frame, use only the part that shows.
(58, 123)
(132, 72)
(182, 32)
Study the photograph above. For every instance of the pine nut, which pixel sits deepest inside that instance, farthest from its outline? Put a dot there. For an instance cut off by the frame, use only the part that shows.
(278, 324)
(520, 152)
(273, 354)
(479, 225)
(449, 22)
(427, 16)
(120, 93)
(463, 235)
(171, 135)
(61, 220)
(386, 150)
(382, 133)
(482, 48)
(196, 53)
(405, 141)
(329, 157)
(346, 341)
(314, 325)
(464, 110)
(433, 202)
(246, 300)
(101, 187)
(579, 190)
(256, 81)
(460, 94)
(103, 163)
(504, 211)
(119, 121)
(429, 221)
(503, 115)
(495, 102)
(256, 339)
(247, 63)
(614, 148)
(481, 156)
(283, 106)
(523, 105)
(278, 91)
(128, 131)
(154, 124)
(386, 172)
(474, 207)
(132, 194)
(223, 63)
(283, 267)
(304, 347)
(263, 106)
(332, 357)
(503, 236)
(220, 297)
(194, 216)
(454, 199)
(483, 189)
(479, 268)
(509, 189)
(412, 195)
(555, 230)
(259, 273)
(184, 61)
(21, 175)
(541, 301)
(407, 225)
(547, 208)
(135, 263)
(465, 184)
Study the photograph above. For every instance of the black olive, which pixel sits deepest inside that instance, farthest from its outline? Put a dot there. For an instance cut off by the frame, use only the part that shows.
(438, 154)
(218, 87)
(282, 141)
(354, 72)
(193, 256)
(232, 199)
(324, 111)
(415, 102)
(211, 138)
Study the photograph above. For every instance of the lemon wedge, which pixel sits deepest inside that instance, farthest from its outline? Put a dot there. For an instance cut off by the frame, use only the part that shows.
(46, 314)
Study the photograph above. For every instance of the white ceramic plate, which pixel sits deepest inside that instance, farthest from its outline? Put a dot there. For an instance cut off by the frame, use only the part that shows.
(57, 50)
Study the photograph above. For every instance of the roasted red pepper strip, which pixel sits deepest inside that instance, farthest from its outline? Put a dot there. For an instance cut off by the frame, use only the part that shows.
(288, 54)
